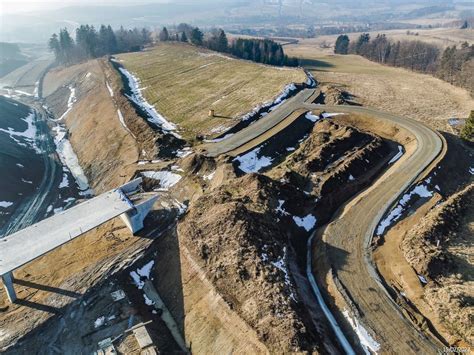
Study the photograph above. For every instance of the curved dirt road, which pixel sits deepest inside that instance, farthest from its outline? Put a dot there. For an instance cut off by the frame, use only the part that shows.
(347, 238)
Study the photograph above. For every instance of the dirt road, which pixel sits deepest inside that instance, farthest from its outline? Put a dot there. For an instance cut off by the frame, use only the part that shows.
(347, 241)
(347, 238)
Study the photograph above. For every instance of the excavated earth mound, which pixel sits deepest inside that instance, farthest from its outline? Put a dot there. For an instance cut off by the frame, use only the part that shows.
(233, 232)
(441, 248)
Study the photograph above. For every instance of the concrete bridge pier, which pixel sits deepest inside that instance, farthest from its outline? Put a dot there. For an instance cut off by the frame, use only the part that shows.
(134, 218)
(8, 283)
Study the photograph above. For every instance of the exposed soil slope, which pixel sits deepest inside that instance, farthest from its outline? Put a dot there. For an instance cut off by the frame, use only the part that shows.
(441, 247)
(106, 151)
(233, 235)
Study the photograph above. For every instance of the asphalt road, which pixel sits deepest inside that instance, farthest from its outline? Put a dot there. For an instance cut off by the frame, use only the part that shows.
(347, 238)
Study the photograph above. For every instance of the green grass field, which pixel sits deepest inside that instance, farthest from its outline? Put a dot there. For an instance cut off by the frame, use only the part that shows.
(184, 82)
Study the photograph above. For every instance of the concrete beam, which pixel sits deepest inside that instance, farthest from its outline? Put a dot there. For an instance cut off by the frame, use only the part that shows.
(131, 186)
(8, 284)
(133, 219)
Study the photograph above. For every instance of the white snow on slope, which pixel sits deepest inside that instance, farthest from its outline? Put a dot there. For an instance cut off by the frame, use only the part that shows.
(99, 322)
(70, 102)
(471, 170)
(273, 104)
(64, 183)
(143, 272)
(28, 135)
(281, 265)
(167, 178)
(395, 214)
(69, 158)
(138, 98)
(251, 163)
(311, 117)
(5, 204)
(279, 209)
(398, 156)
(183, 153)
(122, 122)
(111, 92)
(368, 343)
(307, 222)
(217, 140)
(329, 115)
(209, 176)
(36, 91)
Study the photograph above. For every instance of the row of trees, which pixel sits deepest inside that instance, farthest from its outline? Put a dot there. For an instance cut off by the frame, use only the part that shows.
(90, 43)
(453, 65)
(258, 50)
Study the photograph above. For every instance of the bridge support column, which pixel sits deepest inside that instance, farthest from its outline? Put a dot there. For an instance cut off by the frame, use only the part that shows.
(134, 219)
(8, 283)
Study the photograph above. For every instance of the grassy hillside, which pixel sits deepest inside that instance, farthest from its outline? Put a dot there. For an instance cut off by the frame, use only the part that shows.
(395, 90)
(185, 82)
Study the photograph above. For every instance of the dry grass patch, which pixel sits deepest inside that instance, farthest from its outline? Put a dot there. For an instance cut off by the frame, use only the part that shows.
(396, 90)
(184, 82)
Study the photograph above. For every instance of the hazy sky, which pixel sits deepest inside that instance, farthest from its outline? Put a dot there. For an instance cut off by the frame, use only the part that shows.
(15, 6)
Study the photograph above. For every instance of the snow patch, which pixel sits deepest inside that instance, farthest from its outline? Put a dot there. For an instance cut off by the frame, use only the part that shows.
(279, 209)
(142, 273)
(281, 265)
(65, 182)
(307, 222)
(209, 176)
(271, 105)
(28, 136)
(422, 279)
(313, 118)
(111, 92)
(251, 163)
(20, 165)
(329, 115)
(183, 153)
(395, 214)
(167, 178)
(70, 102)
(99, 322)
(122, 122)
(138, 98)
(69, 158)
(5, 204)
(398, 156)
(148, 301)
(351, 178)
(368, 343)
(217, 140)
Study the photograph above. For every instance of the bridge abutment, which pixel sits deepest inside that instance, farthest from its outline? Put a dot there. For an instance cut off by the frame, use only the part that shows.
(134, 219)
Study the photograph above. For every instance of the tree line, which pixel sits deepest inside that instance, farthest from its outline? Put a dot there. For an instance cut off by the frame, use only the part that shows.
(454, 65)
(263, 51)
(90, 43)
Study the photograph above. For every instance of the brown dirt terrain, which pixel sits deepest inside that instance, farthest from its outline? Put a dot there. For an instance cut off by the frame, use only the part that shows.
(232, 233)
(440, 247)
(93, 122)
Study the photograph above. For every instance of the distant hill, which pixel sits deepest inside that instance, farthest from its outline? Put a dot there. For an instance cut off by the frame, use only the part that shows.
(10, 58)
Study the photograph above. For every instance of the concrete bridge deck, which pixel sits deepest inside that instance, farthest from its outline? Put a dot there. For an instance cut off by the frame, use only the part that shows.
(36, 240)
